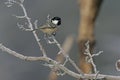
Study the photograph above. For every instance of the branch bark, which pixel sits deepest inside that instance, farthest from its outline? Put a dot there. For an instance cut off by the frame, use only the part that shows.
(60, 58)
(88, 12)
(57, 64)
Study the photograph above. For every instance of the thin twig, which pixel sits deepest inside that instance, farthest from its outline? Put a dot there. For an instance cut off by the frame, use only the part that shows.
(97, 73)
(30, 25)
(89, 56)
(67, 45)
(66, 56)
(23, 28)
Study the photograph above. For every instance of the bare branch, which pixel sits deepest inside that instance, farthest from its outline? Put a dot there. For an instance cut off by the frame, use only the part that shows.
(60, 66)
(29, 24)
(97, 73)
(89, 56)
(9, 3)
(31, 27)
(35, 24)
(18, 55)
(23, 28)
(97, 54)
(49, 60)
(19, 16)
(60, 58)
(66, 56)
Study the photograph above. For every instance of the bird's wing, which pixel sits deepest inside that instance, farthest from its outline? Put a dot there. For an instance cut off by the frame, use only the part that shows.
(44, 27)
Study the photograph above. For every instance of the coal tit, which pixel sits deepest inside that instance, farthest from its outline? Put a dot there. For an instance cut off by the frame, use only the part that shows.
(51, 26)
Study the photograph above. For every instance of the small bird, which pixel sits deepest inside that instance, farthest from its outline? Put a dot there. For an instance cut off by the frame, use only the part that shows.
(51, 26)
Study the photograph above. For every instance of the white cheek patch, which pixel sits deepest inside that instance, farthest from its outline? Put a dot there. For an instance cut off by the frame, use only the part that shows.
(55, 22)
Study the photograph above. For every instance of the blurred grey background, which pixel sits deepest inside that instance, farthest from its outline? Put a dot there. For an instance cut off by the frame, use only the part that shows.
(107, 35)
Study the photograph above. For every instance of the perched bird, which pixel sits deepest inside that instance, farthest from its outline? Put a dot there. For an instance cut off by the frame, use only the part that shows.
(51, 26)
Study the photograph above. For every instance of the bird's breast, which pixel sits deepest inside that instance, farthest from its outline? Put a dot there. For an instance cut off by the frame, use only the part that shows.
(48, 30)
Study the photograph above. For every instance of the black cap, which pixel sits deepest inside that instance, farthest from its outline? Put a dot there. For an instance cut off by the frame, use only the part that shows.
(58, 19)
